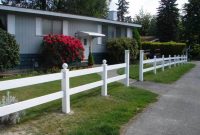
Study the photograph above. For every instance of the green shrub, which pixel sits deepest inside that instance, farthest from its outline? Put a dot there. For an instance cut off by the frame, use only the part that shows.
(116, 49)
(136, 36)
(13, 118)
(90, 59)
(9, 51)
(166, 48)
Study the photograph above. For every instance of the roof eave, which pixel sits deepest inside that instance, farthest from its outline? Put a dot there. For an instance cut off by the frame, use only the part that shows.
(49, 13)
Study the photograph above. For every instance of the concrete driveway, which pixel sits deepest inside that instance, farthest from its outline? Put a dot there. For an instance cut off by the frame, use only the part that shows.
(176, 113)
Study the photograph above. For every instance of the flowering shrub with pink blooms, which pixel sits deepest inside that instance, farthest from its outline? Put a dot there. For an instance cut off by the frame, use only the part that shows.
(59, 49)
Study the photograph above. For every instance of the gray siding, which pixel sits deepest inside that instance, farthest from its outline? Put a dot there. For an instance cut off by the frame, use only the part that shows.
(31, 44)
(80, 25)
(26, 35)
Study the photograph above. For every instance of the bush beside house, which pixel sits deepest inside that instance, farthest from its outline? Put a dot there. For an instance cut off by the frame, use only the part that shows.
(9, 51)
(166, 48)
(59, 49)
(116, 49)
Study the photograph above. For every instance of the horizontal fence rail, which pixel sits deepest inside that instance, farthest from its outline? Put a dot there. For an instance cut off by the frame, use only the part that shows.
(66, 91)
(10, 84)
(157, 63)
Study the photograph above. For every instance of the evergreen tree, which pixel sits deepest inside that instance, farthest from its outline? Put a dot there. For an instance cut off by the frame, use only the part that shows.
(191, 21)
(167, 20)
(122, 9)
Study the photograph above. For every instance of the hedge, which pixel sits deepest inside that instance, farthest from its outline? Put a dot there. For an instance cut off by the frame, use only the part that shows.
(116, 49)
(164, 48)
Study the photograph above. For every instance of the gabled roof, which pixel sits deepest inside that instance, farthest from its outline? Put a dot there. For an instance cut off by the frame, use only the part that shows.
(63, 15)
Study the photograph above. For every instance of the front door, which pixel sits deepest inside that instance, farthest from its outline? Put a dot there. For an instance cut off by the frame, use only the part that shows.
(85, 43)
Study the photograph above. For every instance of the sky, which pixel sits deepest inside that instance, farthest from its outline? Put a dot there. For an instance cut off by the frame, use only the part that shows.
(149, 6)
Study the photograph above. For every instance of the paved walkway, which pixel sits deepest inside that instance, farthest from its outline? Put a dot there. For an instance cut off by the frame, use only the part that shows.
(176, 113)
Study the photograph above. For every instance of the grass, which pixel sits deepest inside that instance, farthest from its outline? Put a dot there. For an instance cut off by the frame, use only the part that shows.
(168, 76)
(93, 114)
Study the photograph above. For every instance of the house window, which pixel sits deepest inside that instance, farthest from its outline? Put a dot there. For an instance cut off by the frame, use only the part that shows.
(118, 32)
(51, 27)
(85, 41)
(3, 22)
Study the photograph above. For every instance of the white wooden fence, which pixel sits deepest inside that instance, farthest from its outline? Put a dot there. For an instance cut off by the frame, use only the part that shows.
(159, 63)
(66, 91)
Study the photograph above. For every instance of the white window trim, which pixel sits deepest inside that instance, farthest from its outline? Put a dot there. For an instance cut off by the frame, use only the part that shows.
(11, 24)
(38, 26)
(129, 33)
(65, 28)
(99, 30)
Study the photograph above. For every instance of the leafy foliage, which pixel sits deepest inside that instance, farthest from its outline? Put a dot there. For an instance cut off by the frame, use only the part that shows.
(96, 8)
(13, 118)
(136, 36)
(166, 48)
(122, 9)
(195, 51)
(9, 51)
(145, 20)
(59, 49)
(116, 49)
(167, 20)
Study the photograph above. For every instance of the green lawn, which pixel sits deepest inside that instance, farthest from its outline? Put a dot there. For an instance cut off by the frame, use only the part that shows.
(93, 114)
(168, 76)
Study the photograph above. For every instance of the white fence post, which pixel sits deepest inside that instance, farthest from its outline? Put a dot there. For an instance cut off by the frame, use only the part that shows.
(154, 64)
(65, 89)
(174, 60)
(170, 61)
(179, 60)
(127, 61)
(186, 56)
(141, 76)
(163, 63)
(104, 88)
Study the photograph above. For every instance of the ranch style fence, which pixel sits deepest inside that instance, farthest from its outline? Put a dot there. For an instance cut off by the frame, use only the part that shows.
(66, 91)
(159, 63)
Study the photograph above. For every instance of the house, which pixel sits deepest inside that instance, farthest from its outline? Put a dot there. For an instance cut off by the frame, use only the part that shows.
(29, 26)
